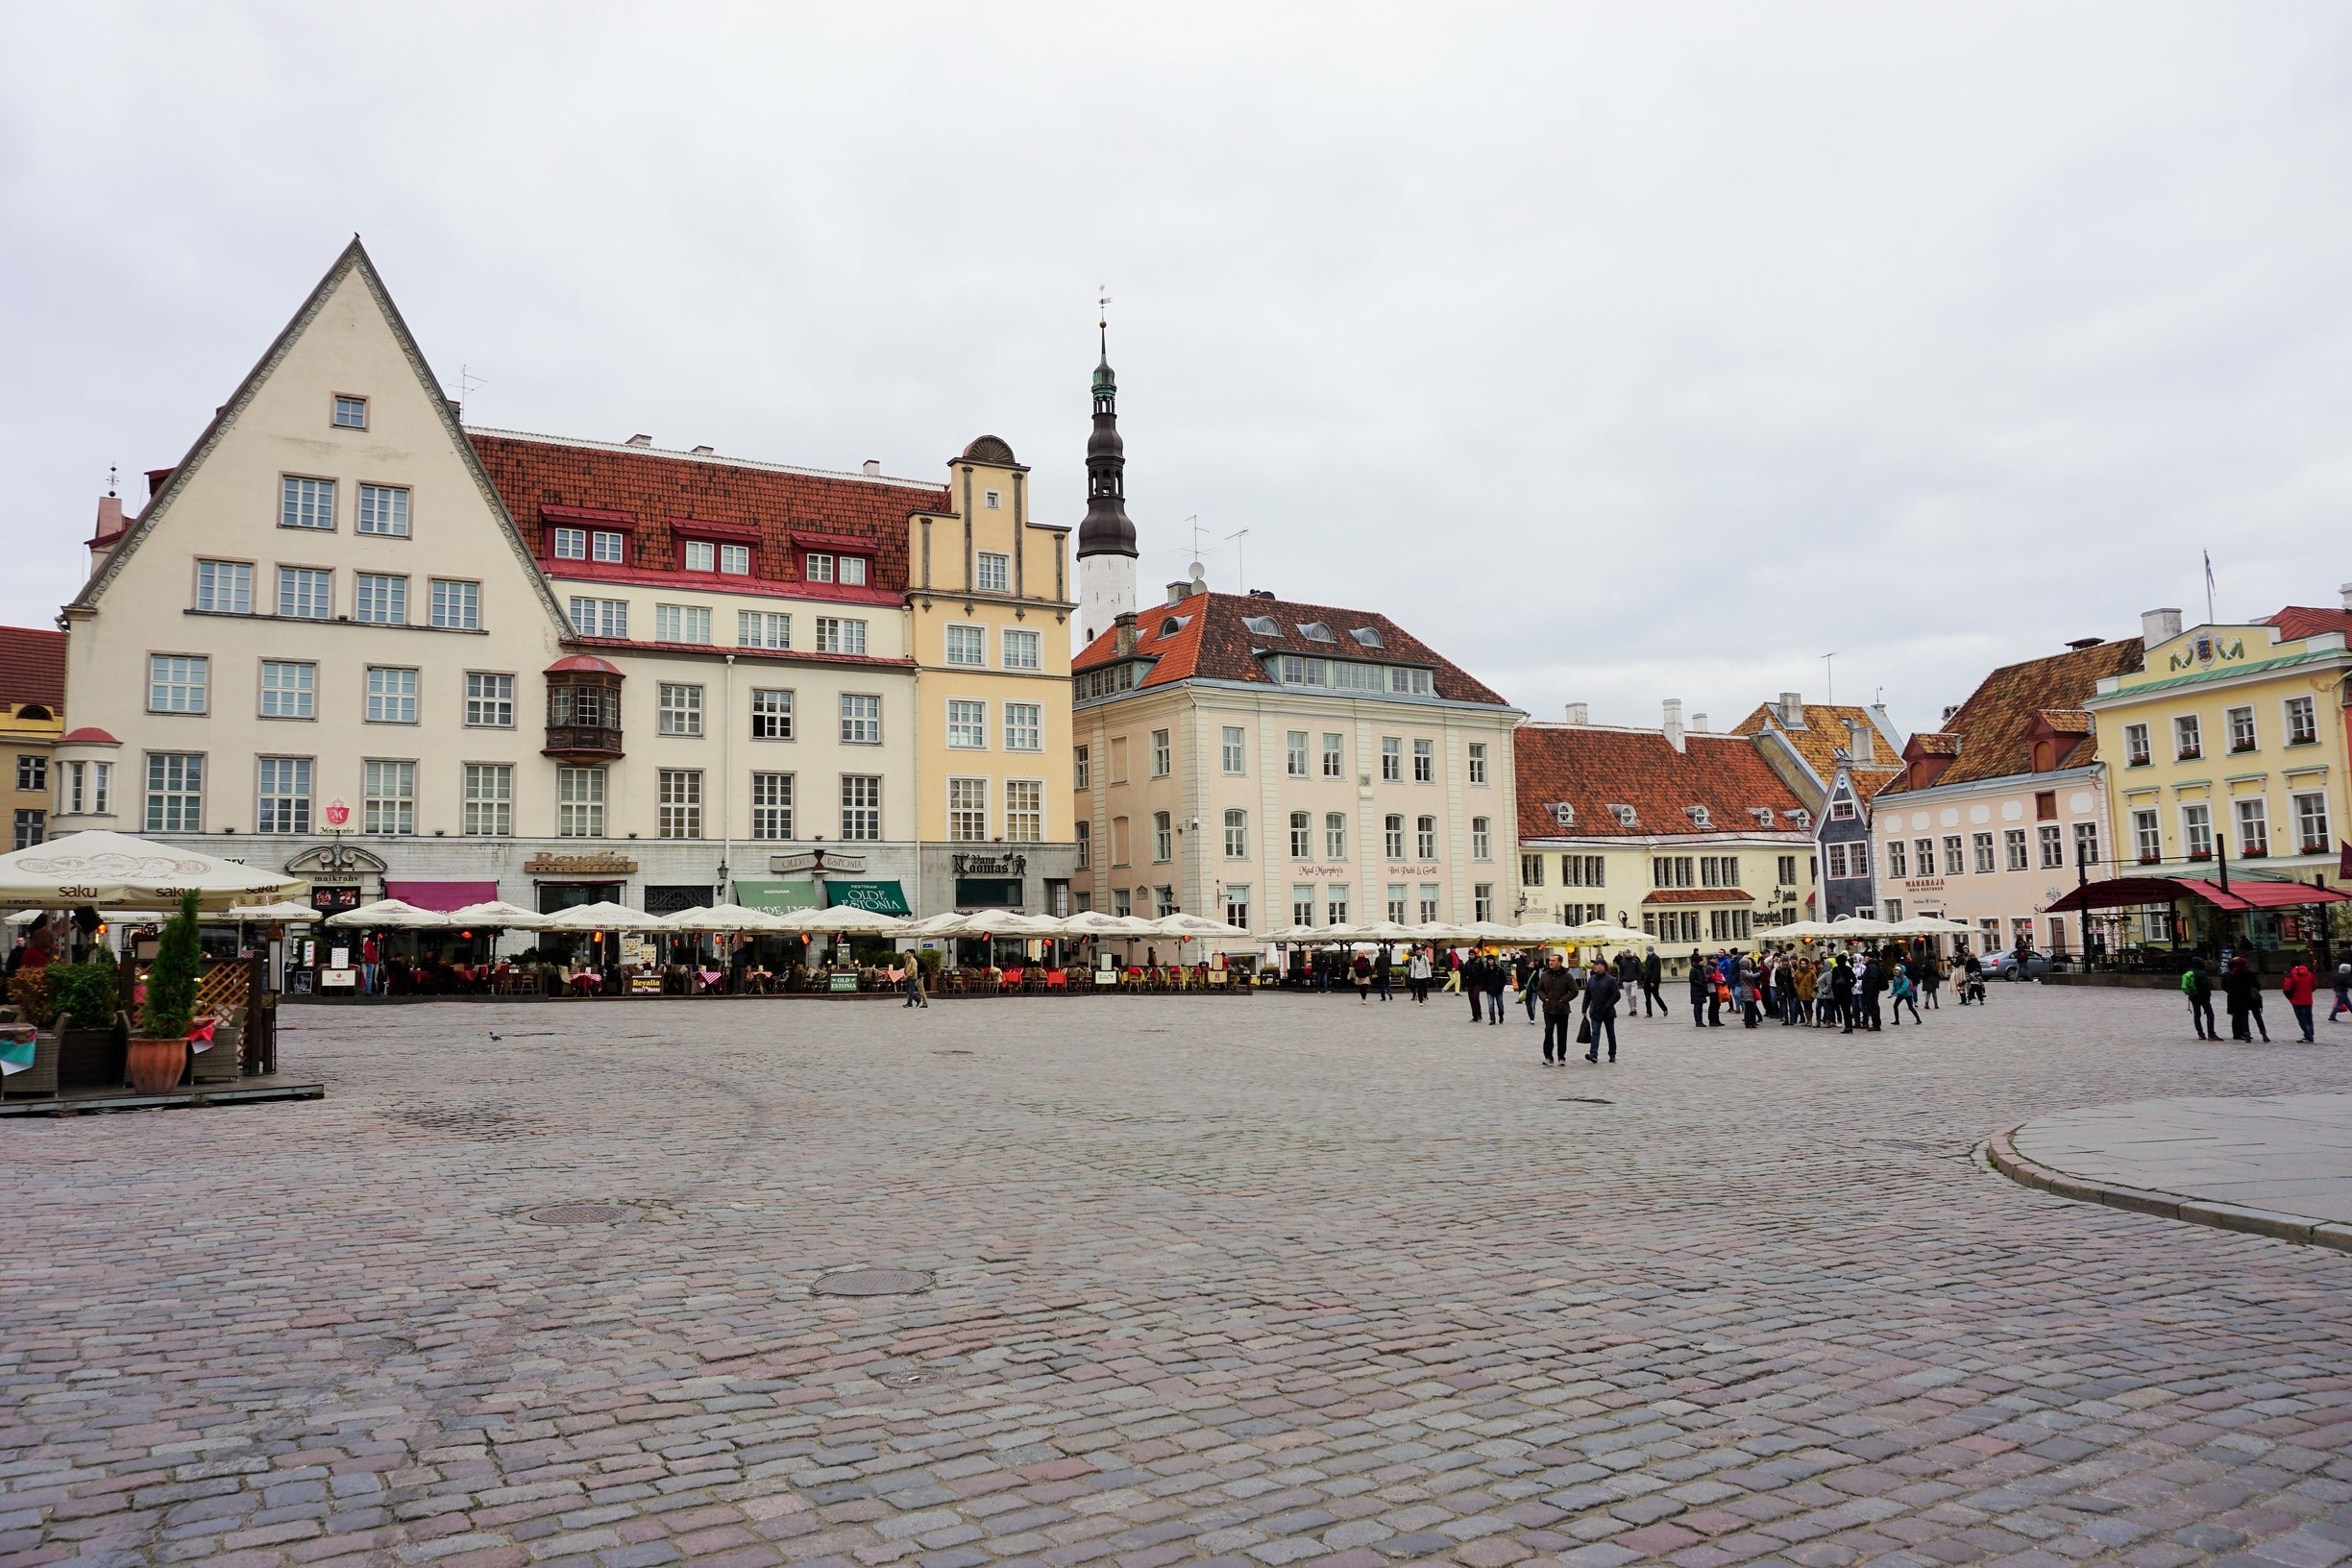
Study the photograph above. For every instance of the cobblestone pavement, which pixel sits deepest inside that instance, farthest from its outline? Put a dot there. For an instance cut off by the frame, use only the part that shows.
(1261, 1281)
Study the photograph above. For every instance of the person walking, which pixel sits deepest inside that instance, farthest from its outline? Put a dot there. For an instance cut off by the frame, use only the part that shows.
(1498, 981)
(1701, 987)
(1869, 990)
(914, 996)
(1381, 972)
(1807, 976)
(1417, 974)
(2243, 987)
(1841, 994)
(1524, 972)
(1651, 974)
(2197, 986)
(1473, 974)
(1361, 968)
(1601, 993)
(1906, 994)
(1555, 988)
(2299, 988)
(1931, 981)
(2343, 991)
(1452, 966)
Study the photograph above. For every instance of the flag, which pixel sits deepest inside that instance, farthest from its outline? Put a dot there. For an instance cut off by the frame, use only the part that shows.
(2209, 585)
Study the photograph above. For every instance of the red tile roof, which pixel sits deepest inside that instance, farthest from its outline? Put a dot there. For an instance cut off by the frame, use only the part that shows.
(1996, 725)
(1824, 734)
(1204, 636)
(2297, 621)
(1699, 895)
(32, 665)
(650, 490)
(1592, 768)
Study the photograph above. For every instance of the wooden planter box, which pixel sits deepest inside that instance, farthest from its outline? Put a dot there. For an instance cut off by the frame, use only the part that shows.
(92, 1058)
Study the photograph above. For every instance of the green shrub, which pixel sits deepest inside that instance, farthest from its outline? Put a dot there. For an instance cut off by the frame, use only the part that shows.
(86, 993)
(171, 980)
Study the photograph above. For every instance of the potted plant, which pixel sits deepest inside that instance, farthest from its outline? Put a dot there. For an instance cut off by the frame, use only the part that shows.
(159, 1050)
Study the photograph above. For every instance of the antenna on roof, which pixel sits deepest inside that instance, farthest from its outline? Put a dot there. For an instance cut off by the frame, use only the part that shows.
(1236, 536)
(467, 381)
(1828, 678)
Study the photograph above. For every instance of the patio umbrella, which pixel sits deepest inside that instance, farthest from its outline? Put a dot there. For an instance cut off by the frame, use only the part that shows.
(1384, 931)
(499, 915)
(1609, 934)
(1930, 925)
(1498, 934)
(1011, 923)
(1438, 931)
(102, 870)
(604, 915)
(1194, 928)
(279, 914)
(840, 917)
(718, 917)
(1300, 935)
(1094, 922)
(950, 925)
(392, 915)
(1854, 925)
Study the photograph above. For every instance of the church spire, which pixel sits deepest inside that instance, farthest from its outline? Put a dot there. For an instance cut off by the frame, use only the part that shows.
(1106, 529)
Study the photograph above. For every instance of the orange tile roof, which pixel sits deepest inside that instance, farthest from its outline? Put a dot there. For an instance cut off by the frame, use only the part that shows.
(645, 492)
(1204, 636)
(1823, 736)
(1592, 768)
(32, 665)
(1995, 724)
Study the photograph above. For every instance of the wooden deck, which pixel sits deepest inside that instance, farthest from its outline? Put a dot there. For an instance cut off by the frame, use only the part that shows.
(242, 1092)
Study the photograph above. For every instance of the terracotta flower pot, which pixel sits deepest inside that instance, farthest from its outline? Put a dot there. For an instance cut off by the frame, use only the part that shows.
(157, 1065)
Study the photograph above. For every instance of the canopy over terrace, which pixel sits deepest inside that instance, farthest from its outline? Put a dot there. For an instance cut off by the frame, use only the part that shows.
(99, 869)
(2238, 898)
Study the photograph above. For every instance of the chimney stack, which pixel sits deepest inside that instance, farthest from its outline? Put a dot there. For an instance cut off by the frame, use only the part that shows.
(2344, 592)
(1126, 630)
(873, 468)
(111, 520)
(1792, 710)
(1861, 740)
(640, 439)
(2159, 626)
(1698, 724)
(1579, 713)
(1674, 722)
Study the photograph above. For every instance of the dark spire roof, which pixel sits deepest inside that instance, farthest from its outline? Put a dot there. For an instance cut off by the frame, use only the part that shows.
(1106, 529)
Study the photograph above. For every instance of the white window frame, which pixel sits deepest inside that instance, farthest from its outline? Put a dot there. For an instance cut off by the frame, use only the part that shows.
(380, 599)
(968, 809)
(306, 585)
(966, 724)
(861, 808)
(1024, 726)
(777, 713)
(387, 797)
(678, 803)
(679, 706)
(1024, 810)
(389, 699)
(965, 645)
(861, 719)
(837, 634)
(383, 512)
(457, 603)
(304, 500)
(1020, 650)
(488, 796)
(236, 591)
(992, 572)
(1236, 833)
(489, 699)
(172, 800)
(1233, 751)
(295, 698)
(283, 792)
(580, 802)
(772, 805)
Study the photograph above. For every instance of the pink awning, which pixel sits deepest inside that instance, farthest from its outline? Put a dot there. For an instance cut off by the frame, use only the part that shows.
(442, 895)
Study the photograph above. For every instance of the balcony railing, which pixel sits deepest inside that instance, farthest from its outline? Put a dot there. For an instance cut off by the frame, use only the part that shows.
(582, 743)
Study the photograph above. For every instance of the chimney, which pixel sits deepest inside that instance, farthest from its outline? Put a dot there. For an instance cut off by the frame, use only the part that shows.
(1698, 724)
(2344, 592)
(111, 519)
(2159, 626)
(873, 468)
(1861, 740)
(1177, 591)
(1579, 713)
(1674, 722)
(1792, 710)
(1125, 625)
(705, 452)
(640, 439)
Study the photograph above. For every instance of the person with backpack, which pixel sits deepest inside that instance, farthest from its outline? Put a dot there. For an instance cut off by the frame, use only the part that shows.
(2299, 988)
(2197, 986)
(1360, 967)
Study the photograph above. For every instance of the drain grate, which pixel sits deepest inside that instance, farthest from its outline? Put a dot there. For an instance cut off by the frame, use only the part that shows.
(584, 1213)
(873, 1282)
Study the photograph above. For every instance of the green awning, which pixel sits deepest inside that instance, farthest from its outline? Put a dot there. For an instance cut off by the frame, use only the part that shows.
(881, 897)
(777, 893)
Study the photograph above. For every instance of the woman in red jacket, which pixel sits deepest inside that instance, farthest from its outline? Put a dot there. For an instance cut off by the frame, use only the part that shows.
(2297, 987)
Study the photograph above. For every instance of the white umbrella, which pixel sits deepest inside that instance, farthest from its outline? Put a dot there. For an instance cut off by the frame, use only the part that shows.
(604, 916)
(1609, 934)
(718, 917)
(1854, 925)
(1296, 934)
(846, 918)
(950, 925)
(279, 914)
(1010, 923)
(1438, 931)
(1930, 925)
(100, 869)
(1194, 927)
(1385, 931)
(1094, 922)
(392, 915)
(499, 914)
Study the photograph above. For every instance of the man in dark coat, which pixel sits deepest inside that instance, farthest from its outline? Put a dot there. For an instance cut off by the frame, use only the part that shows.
(1701, 989)
(1601, 993)
(1874, 985)
(2197, 986)
(2244, 989)
(1652, 972)
(1555, 989)
(1497, 975)
(1842, 991)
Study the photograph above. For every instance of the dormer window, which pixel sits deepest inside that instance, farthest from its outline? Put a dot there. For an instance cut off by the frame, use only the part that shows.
(1262, 625)
(1762, 814)
(1801, 818)
(819, 568)
(1564, 814)
(1625, 814)
(1315, 631)
(1698, 816)
(1369, 637)
(1173, 625)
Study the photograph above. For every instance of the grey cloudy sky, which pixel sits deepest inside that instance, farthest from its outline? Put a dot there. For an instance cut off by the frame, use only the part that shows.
(1622, 352)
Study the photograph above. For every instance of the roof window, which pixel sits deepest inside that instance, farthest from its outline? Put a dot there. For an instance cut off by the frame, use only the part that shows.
(1698, 816)
(1262, 625)
(1369, 637)
(1564, 814)
(1762, 814)
(1173, 625)
(1625, 814)
(1315, 631)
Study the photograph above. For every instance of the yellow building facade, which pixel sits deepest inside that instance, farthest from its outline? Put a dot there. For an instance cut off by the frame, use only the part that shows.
(2230, 741)
(989, 606)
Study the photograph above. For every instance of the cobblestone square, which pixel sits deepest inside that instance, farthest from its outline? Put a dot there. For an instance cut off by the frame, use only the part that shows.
(1261, 1281)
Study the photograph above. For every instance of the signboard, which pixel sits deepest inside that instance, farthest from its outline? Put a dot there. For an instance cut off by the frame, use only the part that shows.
(341, 958)
(334, 900)
(882, 898)
(843, 982)
(781, 894)
(338, 979)
(802, 862)
(337, 813)
(546, 864)
(1007, 865)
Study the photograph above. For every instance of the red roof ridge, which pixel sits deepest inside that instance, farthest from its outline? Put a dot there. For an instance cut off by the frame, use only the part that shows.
(680, 454)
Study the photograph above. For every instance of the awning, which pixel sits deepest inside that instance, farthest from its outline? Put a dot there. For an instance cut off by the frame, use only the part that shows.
(440, 894)
(2134, 892)
(780, 893)
(882, 898)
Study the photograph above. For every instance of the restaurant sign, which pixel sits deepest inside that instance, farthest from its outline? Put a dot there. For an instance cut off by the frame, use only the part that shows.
(545, 865)
(1012, 865)
(881, 897)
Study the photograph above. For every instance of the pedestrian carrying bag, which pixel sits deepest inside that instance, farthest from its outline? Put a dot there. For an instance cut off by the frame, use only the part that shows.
(1584, 1030)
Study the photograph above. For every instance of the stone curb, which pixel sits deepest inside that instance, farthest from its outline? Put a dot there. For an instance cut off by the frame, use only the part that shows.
(2003, 1151)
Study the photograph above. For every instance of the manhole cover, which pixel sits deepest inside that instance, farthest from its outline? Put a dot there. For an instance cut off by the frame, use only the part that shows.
(903, 1380)
(873, 1282)
(582, 1214)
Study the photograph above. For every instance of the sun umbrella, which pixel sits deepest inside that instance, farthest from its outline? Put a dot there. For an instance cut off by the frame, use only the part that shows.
(1010, 923)
(950, 925)
(1854, 925)
(719, 918)
(1195, 928)
(278, 914)
(498, 914)
(1438, 931)
(844, 917)
(602, 916)
(392, 915)
(1930, 926)
(1094, 922)
(100, 869)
